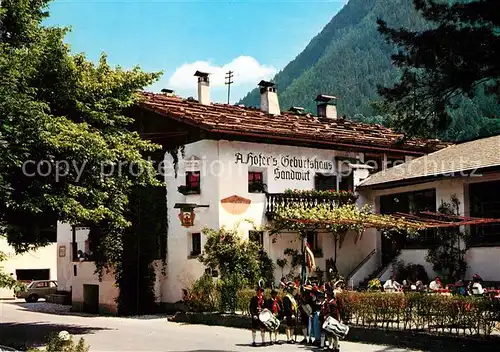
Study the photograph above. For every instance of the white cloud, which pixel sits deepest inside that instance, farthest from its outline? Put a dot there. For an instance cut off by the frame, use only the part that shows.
(247, 70)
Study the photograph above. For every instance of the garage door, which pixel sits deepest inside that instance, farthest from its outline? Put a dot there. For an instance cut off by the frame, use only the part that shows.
(32, 274)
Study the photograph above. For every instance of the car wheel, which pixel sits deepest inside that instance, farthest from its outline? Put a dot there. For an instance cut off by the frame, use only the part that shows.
(32, 298)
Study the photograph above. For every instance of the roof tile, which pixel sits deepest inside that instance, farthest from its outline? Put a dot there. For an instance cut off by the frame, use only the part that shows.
(226, 118)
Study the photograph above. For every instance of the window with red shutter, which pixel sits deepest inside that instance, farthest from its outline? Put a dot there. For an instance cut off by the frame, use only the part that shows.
(193, 181)
(255, 182)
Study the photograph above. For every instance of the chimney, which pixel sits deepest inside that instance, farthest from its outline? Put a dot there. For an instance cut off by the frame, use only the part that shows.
(168, 92)
(203, 88)
(269, 98)
(327, 106)
(299, 110)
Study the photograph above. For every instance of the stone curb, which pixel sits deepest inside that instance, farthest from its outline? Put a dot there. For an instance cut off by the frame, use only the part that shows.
(402, 339)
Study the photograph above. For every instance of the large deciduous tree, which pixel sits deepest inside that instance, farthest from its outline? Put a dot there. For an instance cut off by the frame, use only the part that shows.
(459, 55)
(66, 149)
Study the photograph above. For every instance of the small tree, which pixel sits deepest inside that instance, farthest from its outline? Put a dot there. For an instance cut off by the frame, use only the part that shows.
(266, 267)
(226, 251)
(6, 280)
(447, 256)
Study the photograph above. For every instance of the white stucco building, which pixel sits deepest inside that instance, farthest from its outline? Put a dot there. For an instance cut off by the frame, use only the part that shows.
(470, 172)
(40, 264)
(219, 157)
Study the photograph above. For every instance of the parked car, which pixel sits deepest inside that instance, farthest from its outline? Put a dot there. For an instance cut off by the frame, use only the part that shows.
(38, 289)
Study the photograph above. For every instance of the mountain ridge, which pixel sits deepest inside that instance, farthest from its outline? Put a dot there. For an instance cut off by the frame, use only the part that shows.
(348, 58)
(356, 18)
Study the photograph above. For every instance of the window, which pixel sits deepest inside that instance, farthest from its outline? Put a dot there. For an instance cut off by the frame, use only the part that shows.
(394, 161)
(195, 244)
(257, 237)
(162, 246)
(312, 240)
(325, 182)
(32, 274)
(412, 203)
(409, 202)
(375, 161)
(42, 285)
(74, 252)
(193, 182)
(346, 183)
(255, 182)
(485, 203)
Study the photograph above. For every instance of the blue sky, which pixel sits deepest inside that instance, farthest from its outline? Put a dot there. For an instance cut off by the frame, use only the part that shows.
(254, 38)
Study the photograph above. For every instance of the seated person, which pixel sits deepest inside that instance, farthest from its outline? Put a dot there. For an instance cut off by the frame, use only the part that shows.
(419, 286)
(477, 287)
(460, 288)
(436, 284)
(392, 285)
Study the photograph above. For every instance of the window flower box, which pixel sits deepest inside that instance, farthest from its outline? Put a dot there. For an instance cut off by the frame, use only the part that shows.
(257, 187)
(187, 191)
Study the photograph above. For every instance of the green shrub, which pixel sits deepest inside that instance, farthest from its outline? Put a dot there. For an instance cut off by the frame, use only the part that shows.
(411, 312)
(415, 311)
(229, 288)
(63, 342)
(374, 285)
(204, 296)
(266, 266)
(20, 287)
(409, 271)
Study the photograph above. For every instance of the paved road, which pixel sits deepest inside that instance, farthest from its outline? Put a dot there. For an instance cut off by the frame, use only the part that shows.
(19, 321)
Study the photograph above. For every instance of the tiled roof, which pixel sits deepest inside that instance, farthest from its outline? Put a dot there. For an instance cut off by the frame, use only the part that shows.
(239, 120)
(453, 160)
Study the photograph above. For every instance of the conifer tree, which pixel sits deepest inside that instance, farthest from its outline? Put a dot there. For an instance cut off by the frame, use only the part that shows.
(459, 55)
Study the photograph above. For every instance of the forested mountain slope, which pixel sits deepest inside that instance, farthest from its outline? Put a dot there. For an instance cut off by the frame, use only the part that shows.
(348, 58)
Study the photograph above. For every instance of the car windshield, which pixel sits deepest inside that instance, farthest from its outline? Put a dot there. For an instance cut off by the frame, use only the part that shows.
(32, 283)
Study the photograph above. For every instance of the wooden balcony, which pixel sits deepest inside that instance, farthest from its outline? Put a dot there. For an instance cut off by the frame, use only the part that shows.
(274, 201)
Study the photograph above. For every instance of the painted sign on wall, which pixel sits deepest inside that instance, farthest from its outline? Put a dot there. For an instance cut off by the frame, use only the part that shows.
(286, 167)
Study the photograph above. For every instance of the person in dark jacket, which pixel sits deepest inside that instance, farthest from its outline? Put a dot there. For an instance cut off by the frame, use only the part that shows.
(314, 330)
(275, 305)
(302, 299)
(290, 311)
(332, 308)
(257, 304)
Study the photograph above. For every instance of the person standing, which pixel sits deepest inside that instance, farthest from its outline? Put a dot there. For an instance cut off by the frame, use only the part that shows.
(333, 309)
(323, 314)
(257, 304)
(290, 311)
(302, 299)
(275, 306)
(314, 330)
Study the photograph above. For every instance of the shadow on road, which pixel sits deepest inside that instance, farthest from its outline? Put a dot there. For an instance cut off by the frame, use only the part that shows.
(58, 309)
(24, 335)
(423, 342)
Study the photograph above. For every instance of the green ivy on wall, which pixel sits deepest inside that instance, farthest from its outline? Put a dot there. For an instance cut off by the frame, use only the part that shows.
(134, 250)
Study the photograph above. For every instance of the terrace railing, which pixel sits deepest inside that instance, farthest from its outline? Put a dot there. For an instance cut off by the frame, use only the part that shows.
(274, 201)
